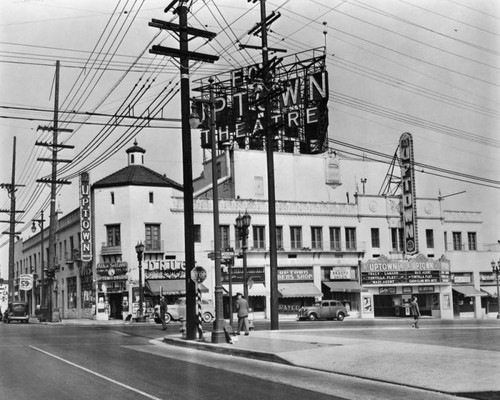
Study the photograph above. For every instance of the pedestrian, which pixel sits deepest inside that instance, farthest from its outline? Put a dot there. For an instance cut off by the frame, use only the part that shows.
(163, 311)
(242, 308)
(415, 311)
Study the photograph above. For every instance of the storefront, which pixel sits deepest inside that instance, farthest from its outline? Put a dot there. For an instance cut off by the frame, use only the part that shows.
(296, 289)
(392, 284)
(232, 283)
(112, 291)
(342, 283)
(489, 303)
(465, 295)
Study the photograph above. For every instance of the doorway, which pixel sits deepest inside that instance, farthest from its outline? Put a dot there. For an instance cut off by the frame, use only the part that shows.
(115, 306)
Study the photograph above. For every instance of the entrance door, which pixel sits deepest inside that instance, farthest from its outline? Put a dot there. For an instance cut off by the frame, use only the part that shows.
(115, 306)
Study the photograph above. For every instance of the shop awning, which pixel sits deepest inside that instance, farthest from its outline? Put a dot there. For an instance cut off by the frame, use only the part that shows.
(169, 286)
(490, 290)
(299, 289)
(469, 291)
(257, 289)
(345, 286)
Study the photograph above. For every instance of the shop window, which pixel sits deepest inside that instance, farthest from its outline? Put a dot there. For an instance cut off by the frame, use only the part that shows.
(279, 237)
(375, 233)
(350, 238)
(335, 238)
(153, 237)
(296, 237)
(457, 241)
(429, 236)
(71, 292)
(317, 237)
(259, 239)
(113, 235)
(472, 239)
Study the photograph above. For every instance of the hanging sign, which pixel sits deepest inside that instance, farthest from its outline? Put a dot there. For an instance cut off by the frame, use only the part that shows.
(26, 282)
(85, 224)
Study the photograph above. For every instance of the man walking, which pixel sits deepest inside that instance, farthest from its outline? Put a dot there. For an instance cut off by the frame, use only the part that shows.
(415, 311)
(242, 308)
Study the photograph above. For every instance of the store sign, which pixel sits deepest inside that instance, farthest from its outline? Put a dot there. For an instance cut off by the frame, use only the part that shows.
(407, 161)
(85, 220)
(289, 275)
(165, 269)
(298, 94)
(342, 273)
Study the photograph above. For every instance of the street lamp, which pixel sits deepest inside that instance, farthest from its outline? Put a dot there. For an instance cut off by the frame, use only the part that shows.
(42, 272)
(495, 266)
(243, 223)
(218, 335)
(139, 249)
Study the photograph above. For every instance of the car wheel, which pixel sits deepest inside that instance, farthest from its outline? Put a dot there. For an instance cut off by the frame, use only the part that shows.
(313, 317)
(340, 316)
(168, 318)
(207, 317)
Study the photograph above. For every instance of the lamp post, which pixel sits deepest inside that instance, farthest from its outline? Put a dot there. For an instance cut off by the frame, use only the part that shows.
(42, 272)
(495, 266)
(139, 249)
(218, 335)
(243, 223)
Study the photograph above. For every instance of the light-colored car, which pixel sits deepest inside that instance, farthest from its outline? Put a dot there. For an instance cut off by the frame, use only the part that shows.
(177, 310)
(325, 309)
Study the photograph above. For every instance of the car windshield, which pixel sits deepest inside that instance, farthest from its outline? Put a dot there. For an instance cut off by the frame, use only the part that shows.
(179, 302)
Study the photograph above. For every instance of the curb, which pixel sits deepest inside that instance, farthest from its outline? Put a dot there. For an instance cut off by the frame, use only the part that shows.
(233, 351)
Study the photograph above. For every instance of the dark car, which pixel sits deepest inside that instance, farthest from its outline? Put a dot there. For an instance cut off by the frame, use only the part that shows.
(326, 309)
(17, 311)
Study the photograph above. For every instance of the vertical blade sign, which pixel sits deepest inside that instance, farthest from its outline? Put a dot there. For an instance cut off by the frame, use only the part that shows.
(85, 220)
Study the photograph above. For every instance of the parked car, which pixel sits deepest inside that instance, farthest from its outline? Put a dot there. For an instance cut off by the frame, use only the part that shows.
(17, 311)
(327, 309)
(177, 310)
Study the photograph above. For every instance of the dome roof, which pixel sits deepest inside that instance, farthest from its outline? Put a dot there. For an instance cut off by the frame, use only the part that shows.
(135, 149)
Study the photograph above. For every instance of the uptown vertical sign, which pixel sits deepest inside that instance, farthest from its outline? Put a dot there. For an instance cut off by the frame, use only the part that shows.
(85, 220)
(407, 164)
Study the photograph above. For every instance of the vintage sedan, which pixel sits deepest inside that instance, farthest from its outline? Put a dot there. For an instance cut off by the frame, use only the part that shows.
(17, 311)
(325, 309)
(177, 311)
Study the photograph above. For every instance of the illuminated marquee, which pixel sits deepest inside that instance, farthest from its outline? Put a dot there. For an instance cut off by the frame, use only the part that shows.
(85, 222)
(298, 93)
(407, 164)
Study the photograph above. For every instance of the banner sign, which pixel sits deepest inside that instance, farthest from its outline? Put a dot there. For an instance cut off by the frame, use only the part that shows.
(85, 224)
(407, 164)
(297, 89)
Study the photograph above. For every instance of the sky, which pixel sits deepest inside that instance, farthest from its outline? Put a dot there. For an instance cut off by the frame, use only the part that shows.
(420, 66)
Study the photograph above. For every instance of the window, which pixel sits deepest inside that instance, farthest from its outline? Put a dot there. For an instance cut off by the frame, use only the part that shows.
(457, 240)
(153, 237)
(472, 239)
(113, 235)
(259, 185)
(375, 237)
(296, 237)
(197, 233)
(71, 292)
(151, 198)
(335, 238)
(316, 237)
(429, 236)
(279, 237)
(112, 197)
(225, 240)
(446, 240)
(350, 238)
(397, 239)
(259, 238)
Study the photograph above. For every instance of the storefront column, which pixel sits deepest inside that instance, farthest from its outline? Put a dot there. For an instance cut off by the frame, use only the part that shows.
(317, 275)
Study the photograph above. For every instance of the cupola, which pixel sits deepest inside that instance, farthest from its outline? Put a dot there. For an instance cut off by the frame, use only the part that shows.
(135, 154)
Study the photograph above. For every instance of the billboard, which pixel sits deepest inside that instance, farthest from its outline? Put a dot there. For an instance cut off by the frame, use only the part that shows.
(297, 89)
(407, 165)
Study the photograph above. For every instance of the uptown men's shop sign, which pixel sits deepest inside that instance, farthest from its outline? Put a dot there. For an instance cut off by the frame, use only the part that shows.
(85, 224)
(418, 270)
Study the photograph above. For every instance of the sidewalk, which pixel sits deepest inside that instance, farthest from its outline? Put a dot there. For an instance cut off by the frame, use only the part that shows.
(436, 368)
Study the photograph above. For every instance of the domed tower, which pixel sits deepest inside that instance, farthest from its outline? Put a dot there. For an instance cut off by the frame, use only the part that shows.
(135, 154)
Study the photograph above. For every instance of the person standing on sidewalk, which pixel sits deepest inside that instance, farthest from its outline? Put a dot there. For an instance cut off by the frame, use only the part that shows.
(415, 311)
(163, 311)
(242, 308)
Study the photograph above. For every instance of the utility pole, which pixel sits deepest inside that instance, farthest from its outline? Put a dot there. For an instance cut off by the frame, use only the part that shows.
(184, 56)
(54, 146)
(269, 133)
(11, 190)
